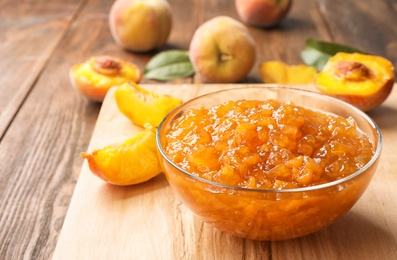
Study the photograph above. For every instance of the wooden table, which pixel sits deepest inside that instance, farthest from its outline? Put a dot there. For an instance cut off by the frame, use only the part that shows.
(45, 124)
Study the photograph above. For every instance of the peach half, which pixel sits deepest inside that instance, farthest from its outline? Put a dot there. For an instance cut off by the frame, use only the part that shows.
(97, 75)
(362, 80)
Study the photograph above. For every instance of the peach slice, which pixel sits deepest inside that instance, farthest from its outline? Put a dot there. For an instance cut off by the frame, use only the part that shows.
(142, 106)
(280, 73)
(97, 75)
(132, 162)
(362, 80)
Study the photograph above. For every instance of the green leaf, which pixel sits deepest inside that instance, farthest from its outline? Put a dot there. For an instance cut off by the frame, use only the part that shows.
(169, 65)
(315, 58)
(171, 71)
(318, 52)
(330, 48)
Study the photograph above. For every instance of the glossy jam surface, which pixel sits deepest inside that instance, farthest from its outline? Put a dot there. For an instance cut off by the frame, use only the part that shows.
(266, 145)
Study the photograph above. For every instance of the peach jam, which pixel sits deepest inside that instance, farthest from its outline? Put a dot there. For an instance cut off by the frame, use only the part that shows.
(267, 145)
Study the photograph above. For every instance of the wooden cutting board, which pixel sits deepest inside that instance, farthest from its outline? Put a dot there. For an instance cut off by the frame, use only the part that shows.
(146, 221)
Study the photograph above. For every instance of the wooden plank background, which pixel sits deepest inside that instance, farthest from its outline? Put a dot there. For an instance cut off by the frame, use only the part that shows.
(45, 124)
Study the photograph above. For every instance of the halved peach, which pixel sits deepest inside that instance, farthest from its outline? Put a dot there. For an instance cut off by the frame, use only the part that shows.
(362, 80)
(97, 75)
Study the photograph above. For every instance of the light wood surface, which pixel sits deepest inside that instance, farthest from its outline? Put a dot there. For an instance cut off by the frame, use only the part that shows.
(147, 221)
(45, 123)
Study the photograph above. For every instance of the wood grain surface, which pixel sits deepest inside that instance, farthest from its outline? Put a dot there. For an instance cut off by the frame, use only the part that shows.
(147, 221)
(45, 123)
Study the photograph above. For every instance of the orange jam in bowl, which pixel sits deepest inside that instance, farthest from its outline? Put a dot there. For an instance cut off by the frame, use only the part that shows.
(268, 163)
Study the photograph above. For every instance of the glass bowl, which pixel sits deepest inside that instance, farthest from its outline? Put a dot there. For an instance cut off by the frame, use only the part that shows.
(270, 214)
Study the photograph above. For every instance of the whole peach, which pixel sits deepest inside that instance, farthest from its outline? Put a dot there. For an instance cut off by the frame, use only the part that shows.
(262, 13)
(222, 50)
(140, 25)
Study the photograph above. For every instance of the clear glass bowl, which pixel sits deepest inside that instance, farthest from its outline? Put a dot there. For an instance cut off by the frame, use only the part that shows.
(270, 214)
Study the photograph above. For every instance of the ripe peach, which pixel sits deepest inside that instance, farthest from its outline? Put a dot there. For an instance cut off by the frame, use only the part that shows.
(363, 80)
(262, 13)
(222, 50)
(140, 26)
(97, 75)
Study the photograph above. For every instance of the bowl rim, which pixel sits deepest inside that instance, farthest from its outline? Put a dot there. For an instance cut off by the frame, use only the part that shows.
(362, 114)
